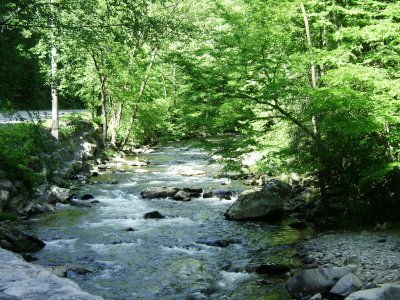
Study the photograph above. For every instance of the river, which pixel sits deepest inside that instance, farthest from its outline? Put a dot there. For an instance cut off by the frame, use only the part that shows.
(165, 258)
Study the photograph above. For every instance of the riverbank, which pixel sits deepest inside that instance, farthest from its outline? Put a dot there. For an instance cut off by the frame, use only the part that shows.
(376, 254)
(351, 265)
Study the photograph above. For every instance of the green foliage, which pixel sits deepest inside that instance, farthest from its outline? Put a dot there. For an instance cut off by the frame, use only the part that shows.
(23, 151)
(172, 70)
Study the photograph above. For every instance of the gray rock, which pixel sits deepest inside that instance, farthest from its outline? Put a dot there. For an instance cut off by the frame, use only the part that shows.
(193, 192)
(218, 193)
(346, 285)
(18, 241)
(34, 208)
(103, 167)
(4, 198)
(87, 151)
(153, 215)
(7, 185)
(23, 281)
(58, 194)
(316, 297)
(159, 192)
(66, 271)
(307, 283)
(387, 292)
(87, 197)
(182, 196)
(265, 203)
(208, 193)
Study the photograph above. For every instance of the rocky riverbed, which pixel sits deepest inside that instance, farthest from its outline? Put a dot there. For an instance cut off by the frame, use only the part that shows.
(356, 265)
(376, 254)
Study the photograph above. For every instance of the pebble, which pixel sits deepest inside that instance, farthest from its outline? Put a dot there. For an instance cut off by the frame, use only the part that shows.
(372, 252)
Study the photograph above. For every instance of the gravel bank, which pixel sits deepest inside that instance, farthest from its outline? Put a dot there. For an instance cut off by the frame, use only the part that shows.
(377, 255)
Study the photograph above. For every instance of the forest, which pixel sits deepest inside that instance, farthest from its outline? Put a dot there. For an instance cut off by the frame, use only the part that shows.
(216, 149)
(313, 85)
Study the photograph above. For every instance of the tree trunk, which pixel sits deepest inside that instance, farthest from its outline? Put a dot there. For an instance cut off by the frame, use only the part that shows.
(309, 42)
(174, 82)
(139, 97)
(54, 95)
(317, 134)
(103, 108)
(103, 96)
(115, 122)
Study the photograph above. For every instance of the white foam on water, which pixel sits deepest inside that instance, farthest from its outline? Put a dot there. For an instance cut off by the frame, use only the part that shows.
(114, 248)
(230, 279)
(113, 223)
(128, 184)
(63, 206)
(188, 250)
(61, 244)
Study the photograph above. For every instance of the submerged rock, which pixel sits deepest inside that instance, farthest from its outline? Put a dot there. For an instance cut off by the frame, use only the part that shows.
(23, 281)
(220, 243)
(87, 197)
(159, 192)
(67, 270)
(153, 215)
(307, 283)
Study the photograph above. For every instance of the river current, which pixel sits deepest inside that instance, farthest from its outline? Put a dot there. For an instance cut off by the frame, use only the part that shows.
(165, 258)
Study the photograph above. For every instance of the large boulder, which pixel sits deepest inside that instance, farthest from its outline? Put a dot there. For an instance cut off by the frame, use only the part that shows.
(14, 240)
(159, 192)
(346, 285)
(266, 203)
(23, 281)
(387, 292)
(307, 283)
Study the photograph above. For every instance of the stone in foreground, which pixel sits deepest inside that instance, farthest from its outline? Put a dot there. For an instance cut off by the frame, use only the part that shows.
(387, 292)
(23, 281)
(346, 285)
(307, 283)
(266, 203)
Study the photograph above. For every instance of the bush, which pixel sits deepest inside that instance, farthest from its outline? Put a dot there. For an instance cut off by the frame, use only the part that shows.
(23, 151)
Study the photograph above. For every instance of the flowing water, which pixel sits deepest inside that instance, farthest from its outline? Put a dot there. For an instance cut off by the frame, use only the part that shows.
(166, 258)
